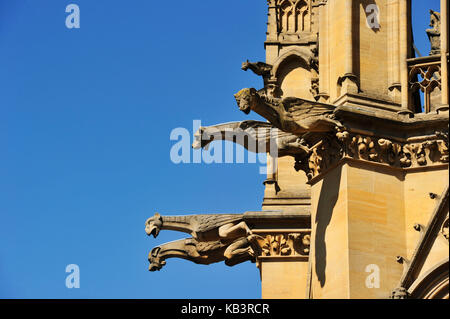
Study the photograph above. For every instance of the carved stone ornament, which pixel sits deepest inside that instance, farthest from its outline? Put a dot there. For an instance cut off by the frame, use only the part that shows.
(399, 293)
(259, 68)
(293, 18)
(425, 77)
(287, 244)
(204, 252)
(291, 115)
(220, 237)
(255, 136)
(434, 34)
(278, 245)
(315, 88)
(214, 238)
(343, 144)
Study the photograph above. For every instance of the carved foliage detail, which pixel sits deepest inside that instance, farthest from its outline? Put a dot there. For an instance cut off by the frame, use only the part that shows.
(287, 244)
(333, 148)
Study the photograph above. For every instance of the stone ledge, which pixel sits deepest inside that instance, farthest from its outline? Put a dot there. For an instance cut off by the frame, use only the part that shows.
(380, 166)
(303, 213)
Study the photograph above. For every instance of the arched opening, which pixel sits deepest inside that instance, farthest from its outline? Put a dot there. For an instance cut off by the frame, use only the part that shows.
(285, 16)
(294, 77)
(433, 284)
(421, 14)
(301, 17)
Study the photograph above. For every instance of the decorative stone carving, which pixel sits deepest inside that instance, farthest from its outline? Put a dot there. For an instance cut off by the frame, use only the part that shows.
(344, 144)
(441, 149)
(201, 227)
(259, 68)
(276, 245)
(426, 77)
(363, 147)
(271, 87)
(214, 238)
(285, 244)
(255, 136)
(389, 151)
(399, 293)
(290, 114)
(315, 88)
(434, 34)
(294, 17)
(314, 60)
(217, 238)
(204, 252)
(314, 65)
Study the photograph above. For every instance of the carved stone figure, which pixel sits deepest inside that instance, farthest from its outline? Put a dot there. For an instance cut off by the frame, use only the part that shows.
(434, 34)
(255, 136)
(363, 147)
(215, 238)
(399, 293)
(259, 68)
(332, 148)
(442, 146)
(292, 115)
(201, 227)
(204, 252)
(389, 151)
(315, 88)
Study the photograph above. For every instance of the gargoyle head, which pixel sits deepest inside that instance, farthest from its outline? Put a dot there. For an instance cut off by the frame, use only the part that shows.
(199, 139)
(245, 65)
(246, 99)
(155, 261)
(153, 225)
(435, 19)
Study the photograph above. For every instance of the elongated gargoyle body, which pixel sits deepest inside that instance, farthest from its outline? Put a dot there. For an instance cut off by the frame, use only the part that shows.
(255, 136)
(215, 238)
(291, 115)
(205, 252)
(205, 227)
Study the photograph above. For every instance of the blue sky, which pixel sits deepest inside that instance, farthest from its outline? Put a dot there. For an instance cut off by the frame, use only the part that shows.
(85, 120)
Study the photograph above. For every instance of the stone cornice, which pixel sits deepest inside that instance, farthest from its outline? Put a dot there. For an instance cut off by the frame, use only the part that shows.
(332, 148)
(390, 123)
(283, 244)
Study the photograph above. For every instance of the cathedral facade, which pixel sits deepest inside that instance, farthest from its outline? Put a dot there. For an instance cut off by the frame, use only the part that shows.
(356, 196)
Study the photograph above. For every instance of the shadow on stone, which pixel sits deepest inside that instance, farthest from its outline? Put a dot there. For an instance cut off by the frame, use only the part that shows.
(327, 200)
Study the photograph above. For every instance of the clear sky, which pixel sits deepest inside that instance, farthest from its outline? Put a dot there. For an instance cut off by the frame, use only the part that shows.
(85, 121)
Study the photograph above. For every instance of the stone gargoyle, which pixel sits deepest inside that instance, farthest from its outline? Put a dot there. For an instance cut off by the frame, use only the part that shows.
(292, 115)
(205, 252)
(259, 68)
(215, 238)
(201, 227)
(434, 34)
(255, 136)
